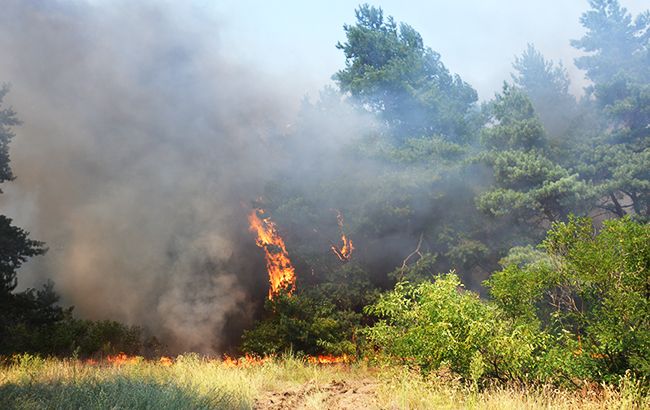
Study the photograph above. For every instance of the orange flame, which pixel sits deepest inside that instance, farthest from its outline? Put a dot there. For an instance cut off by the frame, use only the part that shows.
(345, 252)
(166, 361)
(250, 360)
(329, 359)
(122, 358)
(282, 274)
(245, 361)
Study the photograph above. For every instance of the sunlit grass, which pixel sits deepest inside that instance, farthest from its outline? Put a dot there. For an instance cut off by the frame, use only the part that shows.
(401, 389)
(192, 382)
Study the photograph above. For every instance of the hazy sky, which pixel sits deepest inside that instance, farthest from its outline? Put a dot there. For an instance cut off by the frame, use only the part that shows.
(477, 39)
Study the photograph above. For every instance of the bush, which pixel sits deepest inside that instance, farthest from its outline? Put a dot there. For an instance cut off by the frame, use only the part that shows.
(439, 324)
(33, 322)
(302, 324)
(591, 292)
(577, 309)
(75, 337)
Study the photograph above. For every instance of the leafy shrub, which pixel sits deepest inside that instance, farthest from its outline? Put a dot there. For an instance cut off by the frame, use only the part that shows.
(302, 324)
(32, 321)
(439, 324)
(591, 292)
(577, 309)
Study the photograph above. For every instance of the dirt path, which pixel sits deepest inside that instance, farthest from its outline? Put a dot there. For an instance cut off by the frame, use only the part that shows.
(337, 394)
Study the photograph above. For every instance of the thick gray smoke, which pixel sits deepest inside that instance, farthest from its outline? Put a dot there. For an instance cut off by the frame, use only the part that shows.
(141, 147)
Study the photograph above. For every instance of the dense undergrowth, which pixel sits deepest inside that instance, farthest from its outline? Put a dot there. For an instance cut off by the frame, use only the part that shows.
(575, 310)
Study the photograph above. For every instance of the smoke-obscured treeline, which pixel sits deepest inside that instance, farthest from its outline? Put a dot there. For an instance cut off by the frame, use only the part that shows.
(142, 152)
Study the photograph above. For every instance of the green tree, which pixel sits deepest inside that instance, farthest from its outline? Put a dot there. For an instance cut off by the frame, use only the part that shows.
(575, 309)
(528, 185)
(390, 72)
(547, 86)
(30, 308)
(615, 44)
(617, 60)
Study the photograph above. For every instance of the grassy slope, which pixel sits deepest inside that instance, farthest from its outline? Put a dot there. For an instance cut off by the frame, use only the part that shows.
(195, 383)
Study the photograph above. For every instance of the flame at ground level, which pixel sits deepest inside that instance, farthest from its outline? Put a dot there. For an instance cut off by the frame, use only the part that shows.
(245, 361)
(329, 359)
(228, 361)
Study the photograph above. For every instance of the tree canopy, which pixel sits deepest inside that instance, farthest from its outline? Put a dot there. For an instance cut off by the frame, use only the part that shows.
(390, 72)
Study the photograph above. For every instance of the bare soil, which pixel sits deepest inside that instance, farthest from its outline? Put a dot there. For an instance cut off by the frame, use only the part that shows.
(337, 394)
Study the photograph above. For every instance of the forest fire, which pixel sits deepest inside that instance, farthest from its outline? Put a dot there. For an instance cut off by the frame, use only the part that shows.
(345, 252)
(244, 361)
(122, 358)
(329, 359)
(247, 360)
(250, 360)
(166, 361)
(281, 272)
(116, 360)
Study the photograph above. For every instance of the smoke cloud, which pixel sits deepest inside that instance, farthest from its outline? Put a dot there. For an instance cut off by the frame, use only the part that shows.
(141, 149)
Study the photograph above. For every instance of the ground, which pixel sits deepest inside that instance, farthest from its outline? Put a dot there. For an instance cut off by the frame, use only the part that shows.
(337, 394)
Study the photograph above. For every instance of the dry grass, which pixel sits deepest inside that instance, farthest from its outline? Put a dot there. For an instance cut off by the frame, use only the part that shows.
(400, 389)
(193, 382)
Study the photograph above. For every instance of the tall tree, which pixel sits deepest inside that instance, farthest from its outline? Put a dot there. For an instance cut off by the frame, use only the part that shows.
(389, 71)
(617, 61)
(15, 249)
(547, 86)
(15, 245)
(528, 185)
(614, 42)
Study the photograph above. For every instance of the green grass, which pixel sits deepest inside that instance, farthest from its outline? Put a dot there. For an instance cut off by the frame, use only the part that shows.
(28, 382)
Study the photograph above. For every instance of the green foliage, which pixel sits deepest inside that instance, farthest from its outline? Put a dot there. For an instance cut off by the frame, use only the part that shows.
(576, 311)
(532, 188)
(422, 270)
(15, 249)
(539, 77)
(529, 185)
(590, 292)
(617, 62)
(426, 151)
(67, 336)
(512, 122)
(547, 86)
(391, 72)
(347, 287)
(614, 43)
(439, 324)
(302, 324)
(87, 338)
